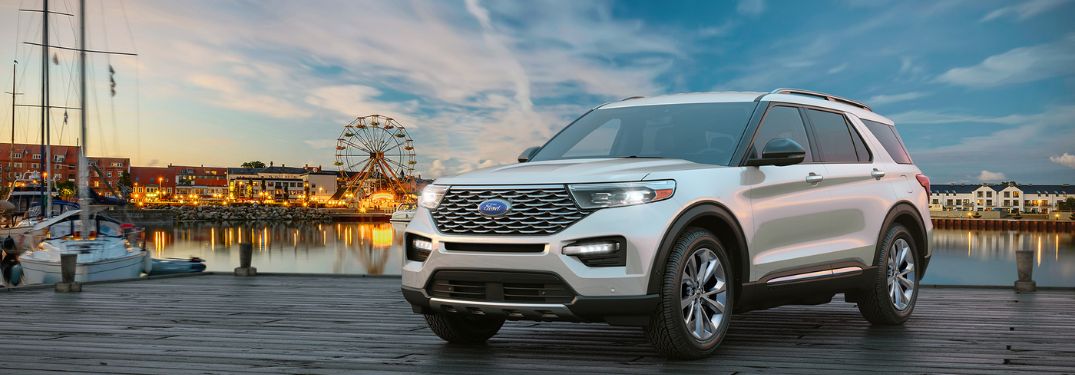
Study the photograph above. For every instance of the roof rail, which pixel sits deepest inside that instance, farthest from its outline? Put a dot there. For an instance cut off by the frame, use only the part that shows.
(821, 95)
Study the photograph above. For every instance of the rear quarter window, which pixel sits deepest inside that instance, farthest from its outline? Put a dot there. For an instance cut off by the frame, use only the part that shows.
(890, 140)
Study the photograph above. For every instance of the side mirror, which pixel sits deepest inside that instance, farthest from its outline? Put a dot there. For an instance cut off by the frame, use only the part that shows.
(528, 153)
(780, 152)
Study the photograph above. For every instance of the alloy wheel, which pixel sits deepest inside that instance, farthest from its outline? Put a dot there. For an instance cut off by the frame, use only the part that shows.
(901, 274)
(704, 294)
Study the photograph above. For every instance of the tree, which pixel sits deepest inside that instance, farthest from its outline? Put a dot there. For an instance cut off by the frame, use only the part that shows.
(1066, 205)
(253, 164)
(67, 190)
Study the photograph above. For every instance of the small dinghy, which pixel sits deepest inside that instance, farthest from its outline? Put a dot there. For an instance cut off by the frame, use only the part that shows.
(171, 266)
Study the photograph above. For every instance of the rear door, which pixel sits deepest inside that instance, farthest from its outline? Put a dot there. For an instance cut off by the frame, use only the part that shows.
(858, 193)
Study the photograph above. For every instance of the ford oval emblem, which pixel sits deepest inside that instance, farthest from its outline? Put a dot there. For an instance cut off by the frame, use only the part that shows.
(494, 207)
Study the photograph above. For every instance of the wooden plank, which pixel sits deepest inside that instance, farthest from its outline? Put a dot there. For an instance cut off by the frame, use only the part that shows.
(319, 324)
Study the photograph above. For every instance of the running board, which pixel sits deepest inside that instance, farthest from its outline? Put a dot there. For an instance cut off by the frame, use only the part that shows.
(814, 275)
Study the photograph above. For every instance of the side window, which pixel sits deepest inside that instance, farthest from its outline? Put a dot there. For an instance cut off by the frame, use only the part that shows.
(860, 145)
(891, 141)
(782, 122)
(598, 142)
(833, 137)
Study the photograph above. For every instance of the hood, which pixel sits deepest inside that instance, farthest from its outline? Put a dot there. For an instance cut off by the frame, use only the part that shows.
(570, 171)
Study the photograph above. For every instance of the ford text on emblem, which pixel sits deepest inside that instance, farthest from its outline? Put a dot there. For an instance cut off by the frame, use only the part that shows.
(494, 207)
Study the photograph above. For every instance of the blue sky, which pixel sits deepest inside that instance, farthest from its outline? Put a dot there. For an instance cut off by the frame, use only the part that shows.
(980, 90)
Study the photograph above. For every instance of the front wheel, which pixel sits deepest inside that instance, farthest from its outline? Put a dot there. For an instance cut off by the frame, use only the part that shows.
(891, 298)
(462, 329)
(696, 298)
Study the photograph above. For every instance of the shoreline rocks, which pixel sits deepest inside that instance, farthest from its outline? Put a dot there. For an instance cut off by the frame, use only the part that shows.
(244, 213)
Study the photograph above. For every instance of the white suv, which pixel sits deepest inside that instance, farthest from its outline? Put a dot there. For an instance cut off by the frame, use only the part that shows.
(672, 212)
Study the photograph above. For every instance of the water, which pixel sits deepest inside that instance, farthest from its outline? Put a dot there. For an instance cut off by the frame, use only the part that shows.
(969, 257)
(960, 257)
(330, 248)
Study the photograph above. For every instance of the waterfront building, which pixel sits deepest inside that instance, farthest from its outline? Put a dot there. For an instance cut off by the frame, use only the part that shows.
(268, 184)
(22, 163)
(200, 184)
(1007, 196)
(151, 184)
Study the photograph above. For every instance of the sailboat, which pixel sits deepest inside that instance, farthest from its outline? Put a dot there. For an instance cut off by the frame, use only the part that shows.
(105, 248)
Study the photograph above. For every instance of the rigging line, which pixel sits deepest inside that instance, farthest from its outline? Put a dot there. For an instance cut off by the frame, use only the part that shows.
(111, 80)
(137, 83)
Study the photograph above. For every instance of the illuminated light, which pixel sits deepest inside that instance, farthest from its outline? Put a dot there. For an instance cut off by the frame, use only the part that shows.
(591, 248)
(421, 244)
(382, 237)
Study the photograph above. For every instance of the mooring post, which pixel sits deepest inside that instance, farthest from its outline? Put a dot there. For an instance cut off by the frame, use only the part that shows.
(67, 283)
(246, 251)
(1024, 264)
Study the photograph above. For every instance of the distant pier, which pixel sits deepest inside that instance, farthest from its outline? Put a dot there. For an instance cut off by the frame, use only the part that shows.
(1029, 225)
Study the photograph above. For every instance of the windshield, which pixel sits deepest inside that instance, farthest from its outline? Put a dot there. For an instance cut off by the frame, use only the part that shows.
(703, 133)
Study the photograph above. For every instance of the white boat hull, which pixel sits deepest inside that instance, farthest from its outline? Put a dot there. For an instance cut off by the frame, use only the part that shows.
(48, 272)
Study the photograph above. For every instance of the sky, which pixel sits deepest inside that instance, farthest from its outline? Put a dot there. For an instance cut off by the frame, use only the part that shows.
(981, 91)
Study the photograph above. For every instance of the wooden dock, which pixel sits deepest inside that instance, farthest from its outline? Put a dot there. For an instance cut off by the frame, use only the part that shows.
(326, 324)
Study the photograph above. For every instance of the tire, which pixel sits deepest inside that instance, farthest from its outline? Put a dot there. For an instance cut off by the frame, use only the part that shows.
(463, 329)
(668, 328)
(879, 304)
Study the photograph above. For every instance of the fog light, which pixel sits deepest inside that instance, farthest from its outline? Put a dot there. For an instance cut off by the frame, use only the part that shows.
(599, 252)
(422, 244)
(418, 247)
(591, 248)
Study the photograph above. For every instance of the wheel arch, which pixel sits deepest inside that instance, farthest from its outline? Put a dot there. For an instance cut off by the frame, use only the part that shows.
(905, 214)
(719, 220)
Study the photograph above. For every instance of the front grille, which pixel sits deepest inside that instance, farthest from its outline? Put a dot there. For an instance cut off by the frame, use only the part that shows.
(534, 211)
(500, 286)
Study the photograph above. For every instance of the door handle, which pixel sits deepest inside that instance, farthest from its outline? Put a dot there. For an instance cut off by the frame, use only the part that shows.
(877, 174)
(814, 178)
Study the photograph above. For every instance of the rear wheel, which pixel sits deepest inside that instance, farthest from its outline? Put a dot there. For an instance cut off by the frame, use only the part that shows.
(463, 329)
(892, 298)
(696, 298)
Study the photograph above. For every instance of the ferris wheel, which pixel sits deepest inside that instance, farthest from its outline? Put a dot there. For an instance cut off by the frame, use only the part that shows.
(378, 157)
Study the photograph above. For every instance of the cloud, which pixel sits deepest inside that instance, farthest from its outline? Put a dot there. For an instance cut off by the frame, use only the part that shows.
(320, 143)
(896, 98)
(229, 93)
(1020, 65)
(436, 169)
(988, 176)
(465, 79)
(837, 69)
(931, 117)
(1024, 10)
(751, 7)
(1066, 159)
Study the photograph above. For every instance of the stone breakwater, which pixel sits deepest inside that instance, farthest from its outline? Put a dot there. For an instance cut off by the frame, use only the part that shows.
(245, 213)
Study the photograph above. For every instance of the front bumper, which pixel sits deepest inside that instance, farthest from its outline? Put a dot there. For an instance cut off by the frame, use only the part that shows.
(619, 310)
(616, 294)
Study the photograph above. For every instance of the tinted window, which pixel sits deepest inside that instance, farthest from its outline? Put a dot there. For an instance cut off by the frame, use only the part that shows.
(782, 122)
(832, 136)
(860, 145)
(703, 133)
(888, 137)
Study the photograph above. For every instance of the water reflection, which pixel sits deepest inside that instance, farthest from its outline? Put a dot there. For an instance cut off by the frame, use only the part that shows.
(969, 257)
(342, 248)
(960, 257)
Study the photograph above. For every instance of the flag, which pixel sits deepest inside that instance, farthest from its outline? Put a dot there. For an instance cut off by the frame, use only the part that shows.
(55, 58)
(112, 78)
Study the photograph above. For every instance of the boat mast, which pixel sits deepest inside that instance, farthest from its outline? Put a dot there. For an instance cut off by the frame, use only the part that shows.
(46, 198)
(11, 168)
(83, 163)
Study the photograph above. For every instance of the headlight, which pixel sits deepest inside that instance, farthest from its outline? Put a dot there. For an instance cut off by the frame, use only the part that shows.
(431, 196)
(621, 194)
